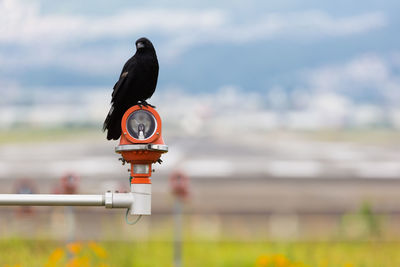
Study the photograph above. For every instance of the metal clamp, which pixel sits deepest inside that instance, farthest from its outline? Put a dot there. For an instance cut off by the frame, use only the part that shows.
(108, 200)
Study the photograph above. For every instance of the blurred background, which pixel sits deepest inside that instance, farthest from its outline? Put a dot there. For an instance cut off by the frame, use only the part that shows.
(284, 116)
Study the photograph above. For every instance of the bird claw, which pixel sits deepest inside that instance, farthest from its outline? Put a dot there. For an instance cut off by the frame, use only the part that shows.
(143, 103)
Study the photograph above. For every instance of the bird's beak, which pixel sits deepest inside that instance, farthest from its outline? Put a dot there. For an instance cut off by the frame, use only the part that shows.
(139, 45)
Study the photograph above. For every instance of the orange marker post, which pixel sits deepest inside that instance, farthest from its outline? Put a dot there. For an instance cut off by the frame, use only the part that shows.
(141, 144)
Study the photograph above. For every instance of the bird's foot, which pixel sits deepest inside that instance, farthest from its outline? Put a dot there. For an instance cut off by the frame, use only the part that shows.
(144, 103)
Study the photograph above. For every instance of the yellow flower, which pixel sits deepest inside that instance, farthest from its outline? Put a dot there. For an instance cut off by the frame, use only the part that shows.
(74, 247)
(78, 262)
(263, 260)
(98, 250)
(323, 263)
(277, 260)
(55, 257)
(281, 261)
(297, 264)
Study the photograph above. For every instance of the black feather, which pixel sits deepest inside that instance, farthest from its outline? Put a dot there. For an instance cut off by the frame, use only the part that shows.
(137, 82)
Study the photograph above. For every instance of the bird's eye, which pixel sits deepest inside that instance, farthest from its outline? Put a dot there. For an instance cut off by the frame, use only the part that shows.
(140, 45)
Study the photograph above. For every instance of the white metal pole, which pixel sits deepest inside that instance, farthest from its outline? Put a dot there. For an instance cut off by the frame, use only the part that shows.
(178, 232)
(138, 201)
(51, 200)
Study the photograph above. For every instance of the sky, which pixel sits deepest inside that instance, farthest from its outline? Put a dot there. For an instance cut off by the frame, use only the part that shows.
(295, 55)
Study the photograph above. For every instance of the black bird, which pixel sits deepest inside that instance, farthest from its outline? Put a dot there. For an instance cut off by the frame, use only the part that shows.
(136, 84)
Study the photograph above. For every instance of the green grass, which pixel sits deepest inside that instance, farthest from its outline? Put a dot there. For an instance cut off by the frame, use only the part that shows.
(156, 253)
(28, 135)
(380, 136)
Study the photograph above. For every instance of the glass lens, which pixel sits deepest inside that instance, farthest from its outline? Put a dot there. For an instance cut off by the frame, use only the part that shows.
(141, 124)
(141, 168)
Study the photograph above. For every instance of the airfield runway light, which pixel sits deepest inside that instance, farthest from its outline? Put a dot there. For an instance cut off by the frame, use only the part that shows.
(141, 125)
(69, 183)
(141, 144)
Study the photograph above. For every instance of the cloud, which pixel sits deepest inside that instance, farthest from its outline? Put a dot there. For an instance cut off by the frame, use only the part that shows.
(363, 91)
(23, 23)
(306, 25)
(362, 71)
(368, 74)
(62, 39)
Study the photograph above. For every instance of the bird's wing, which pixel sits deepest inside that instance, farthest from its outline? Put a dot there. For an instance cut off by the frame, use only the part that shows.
(118, 85)
(122, 78)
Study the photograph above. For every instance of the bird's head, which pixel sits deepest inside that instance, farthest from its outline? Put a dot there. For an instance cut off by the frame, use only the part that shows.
(144, 44)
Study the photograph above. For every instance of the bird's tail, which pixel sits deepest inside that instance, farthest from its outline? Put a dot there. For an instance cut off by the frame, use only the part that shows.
(112, 124)
(108, 119)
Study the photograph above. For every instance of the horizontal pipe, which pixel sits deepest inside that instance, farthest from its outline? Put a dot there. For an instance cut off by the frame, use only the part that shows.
(51, 200)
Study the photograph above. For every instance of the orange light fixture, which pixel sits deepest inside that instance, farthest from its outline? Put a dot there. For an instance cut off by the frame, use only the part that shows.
(141, 143)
